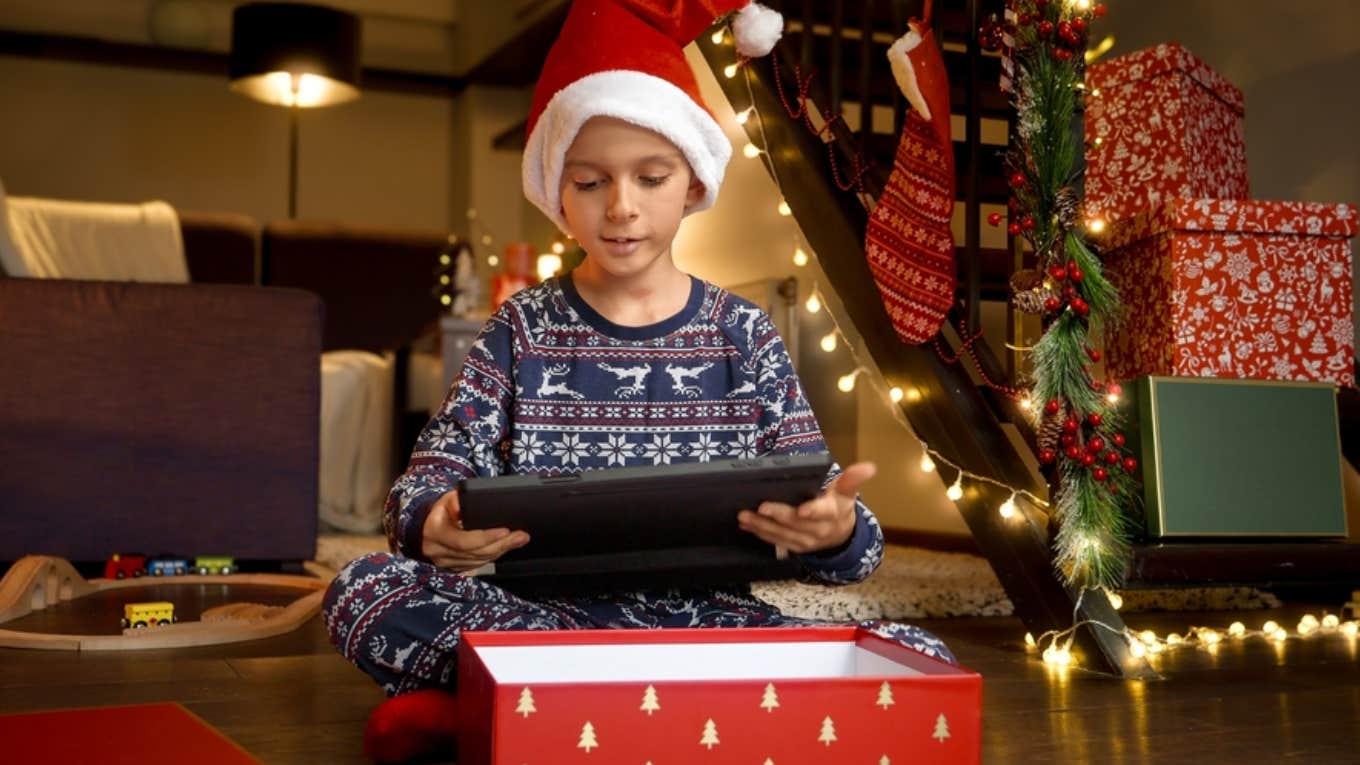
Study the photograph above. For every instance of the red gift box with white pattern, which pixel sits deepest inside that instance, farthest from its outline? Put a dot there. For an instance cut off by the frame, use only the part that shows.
(757, 695)
(1225, 288)
(1160, 124)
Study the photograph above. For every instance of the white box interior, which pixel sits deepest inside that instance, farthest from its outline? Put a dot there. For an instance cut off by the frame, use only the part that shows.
(686, 661)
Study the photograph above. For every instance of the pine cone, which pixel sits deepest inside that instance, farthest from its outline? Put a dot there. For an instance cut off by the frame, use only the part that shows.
(1028, 292)
(1067, 206)
(1050, 430)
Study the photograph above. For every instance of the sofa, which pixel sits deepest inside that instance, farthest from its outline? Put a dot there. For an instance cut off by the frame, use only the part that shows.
(120, 393)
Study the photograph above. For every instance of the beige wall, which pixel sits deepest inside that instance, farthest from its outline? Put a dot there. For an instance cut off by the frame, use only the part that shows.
(79, 131)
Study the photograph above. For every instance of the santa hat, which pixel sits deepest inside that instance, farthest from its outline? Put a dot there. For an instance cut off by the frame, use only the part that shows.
(625, 59)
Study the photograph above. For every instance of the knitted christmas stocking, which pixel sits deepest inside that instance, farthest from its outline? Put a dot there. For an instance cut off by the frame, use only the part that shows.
(908, 243)
(410, 726)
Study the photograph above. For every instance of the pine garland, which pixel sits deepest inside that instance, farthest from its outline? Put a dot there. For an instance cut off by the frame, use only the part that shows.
(1093, 473)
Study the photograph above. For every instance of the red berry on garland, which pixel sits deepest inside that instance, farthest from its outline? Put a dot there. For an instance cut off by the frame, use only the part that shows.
(1079, 25)
(1045, 28)
(1063, 54)
(1094, 353)
(1112, 457)
(1013, 229)
(1027, 223)
(1052, 304)
(1075, 274)
(1116, 389)
(1118, 439)
(1094, 419)
(1058, 273)
(1080, 307)
(1064, 29)
(1070, 425)
(1068, 439)
(1053, 406)
(1100, 474)
(1069, 292)
(1130, 464)
(1046, 456)
(1073, 452)
(1099, 11)
(1097, 386)
(994, 219)
(1087, 460)
(1095, 445)
(1013, 204)
(1017, 179)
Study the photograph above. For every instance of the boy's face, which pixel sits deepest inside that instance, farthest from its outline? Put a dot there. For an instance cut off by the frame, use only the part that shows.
(624, 191)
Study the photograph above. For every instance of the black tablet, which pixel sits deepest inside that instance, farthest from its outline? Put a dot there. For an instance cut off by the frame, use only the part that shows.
(667, 524)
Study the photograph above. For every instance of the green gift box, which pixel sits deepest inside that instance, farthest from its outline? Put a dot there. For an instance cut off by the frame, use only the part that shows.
(1238, 458)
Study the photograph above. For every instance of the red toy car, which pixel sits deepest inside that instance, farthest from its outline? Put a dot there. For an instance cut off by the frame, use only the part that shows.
(122, 566)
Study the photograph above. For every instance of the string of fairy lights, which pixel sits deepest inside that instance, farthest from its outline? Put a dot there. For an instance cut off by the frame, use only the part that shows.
(1054, 646)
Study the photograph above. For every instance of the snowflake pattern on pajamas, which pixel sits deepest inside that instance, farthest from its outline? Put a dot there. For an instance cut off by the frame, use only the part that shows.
(551, 387)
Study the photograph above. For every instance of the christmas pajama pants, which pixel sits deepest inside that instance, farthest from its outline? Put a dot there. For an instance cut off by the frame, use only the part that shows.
(399, 619)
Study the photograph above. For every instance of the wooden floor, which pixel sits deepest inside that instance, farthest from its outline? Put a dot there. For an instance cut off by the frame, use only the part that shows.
(290, 699)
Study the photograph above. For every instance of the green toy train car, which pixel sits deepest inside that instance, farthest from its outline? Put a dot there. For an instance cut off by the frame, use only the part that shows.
(215, 564)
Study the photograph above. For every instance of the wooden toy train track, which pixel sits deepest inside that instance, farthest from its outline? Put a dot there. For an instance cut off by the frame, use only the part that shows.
(36, 582)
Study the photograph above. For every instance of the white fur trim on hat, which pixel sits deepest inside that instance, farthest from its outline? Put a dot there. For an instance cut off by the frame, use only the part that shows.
(631, 96)
(756, 29)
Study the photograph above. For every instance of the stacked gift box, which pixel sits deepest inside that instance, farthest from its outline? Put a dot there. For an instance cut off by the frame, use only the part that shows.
(1215, 285)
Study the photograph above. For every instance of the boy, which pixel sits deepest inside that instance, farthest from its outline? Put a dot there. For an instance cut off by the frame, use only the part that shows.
(625, 361)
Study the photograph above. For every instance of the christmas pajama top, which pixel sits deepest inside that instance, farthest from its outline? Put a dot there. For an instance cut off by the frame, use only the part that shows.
(552, 387)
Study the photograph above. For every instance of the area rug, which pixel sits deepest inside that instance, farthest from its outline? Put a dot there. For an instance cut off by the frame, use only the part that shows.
(912, 583)
(142, 734)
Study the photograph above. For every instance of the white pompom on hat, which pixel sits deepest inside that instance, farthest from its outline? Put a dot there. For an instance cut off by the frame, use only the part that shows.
(625, 59)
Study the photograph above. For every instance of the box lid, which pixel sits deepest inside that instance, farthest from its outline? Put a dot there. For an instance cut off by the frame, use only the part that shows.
(1152, 62)
(1233, 216)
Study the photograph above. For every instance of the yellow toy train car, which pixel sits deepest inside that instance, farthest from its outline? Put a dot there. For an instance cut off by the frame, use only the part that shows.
(150, 614)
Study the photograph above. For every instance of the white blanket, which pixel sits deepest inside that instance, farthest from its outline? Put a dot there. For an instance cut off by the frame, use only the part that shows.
(356, 439)
(56, 239)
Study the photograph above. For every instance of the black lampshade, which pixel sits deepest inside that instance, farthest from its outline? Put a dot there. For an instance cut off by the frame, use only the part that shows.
(294, 54)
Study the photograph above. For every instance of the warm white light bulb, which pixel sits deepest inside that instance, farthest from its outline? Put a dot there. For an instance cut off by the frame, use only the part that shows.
(444, 260)
(750, 151)
(472, 213)
(1098, 141)
(743, 116)
(800, 257)
(1173, 639)
(1280, 635)
(1310, 620)
(1148, 636)
(1137, 650)
(1007, 509)
(1116, 600)
(730, 71)
(1095, 225)
(1029, 640)
(813, 304)
(1113, 398)
(784, 208)
(829, 342)
(1237, 629)
(1209, 637)
(717, 37)
(927, 464)
(955, 491)
(446, 299)
(1269, 627)
(493, 261)
(846, 383)
(558, 248)
(444, 279)
(895, 394)
(1306, 627)
(487, 240)
(548, 265)
(1330, 621)
(1026, 403)
(1350, 629)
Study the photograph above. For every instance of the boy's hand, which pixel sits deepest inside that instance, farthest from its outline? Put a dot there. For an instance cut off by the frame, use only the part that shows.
(445, 544)
(823, 523)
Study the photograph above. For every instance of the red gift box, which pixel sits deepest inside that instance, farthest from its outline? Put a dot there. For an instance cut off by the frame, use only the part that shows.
(781, 696)
(1160, 124)
(1224, 288)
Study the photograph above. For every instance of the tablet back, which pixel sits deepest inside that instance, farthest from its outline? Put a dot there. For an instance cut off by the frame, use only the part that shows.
(642, 526)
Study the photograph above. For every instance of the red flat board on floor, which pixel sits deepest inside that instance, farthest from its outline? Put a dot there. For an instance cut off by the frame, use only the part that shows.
(145, 734)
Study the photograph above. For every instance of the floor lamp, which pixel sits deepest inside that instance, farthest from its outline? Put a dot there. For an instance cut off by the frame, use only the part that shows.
(294, 55)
